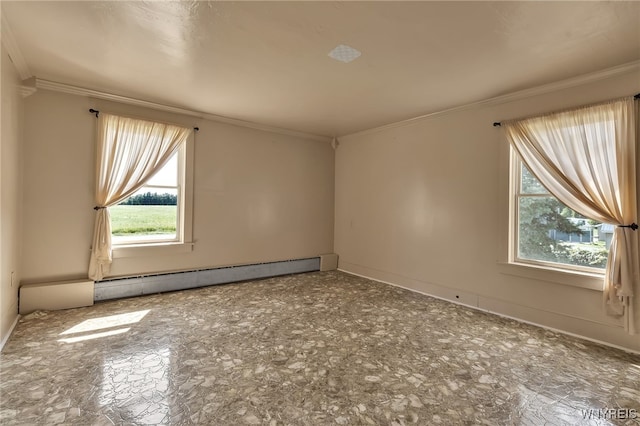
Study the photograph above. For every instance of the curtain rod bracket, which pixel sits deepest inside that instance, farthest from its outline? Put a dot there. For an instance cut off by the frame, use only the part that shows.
(497, 124)
(636, 96)
(197, 129)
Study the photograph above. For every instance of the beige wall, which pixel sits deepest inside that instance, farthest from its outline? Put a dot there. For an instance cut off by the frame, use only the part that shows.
(423, 205)
(10, 157)
(258, 196)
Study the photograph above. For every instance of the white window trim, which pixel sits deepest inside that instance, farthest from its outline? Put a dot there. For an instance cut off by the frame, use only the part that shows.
(184, 240)
(150, 250)
(508, 263)
(553, 275)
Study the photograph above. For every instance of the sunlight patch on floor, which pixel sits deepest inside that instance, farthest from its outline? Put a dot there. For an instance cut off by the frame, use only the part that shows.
(107, 322)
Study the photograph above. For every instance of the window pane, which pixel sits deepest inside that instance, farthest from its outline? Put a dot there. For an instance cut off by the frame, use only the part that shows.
(550, 231)
(168, 175)
(151, 214)
(529, 183)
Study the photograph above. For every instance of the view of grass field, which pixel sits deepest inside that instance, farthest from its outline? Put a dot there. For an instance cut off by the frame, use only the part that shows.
(136, 220)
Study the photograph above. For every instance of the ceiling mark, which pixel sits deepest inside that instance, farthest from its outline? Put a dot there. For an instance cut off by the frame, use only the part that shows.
(344, 53)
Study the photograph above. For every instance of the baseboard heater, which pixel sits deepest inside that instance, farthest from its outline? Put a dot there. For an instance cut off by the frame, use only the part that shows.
(118, 288)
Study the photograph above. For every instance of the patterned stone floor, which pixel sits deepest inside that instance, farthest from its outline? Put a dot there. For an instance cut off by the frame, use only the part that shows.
(311, 349)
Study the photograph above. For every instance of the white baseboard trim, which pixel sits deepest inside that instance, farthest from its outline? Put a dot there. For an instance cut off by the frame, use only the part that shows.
(6, 338)
(567, 333)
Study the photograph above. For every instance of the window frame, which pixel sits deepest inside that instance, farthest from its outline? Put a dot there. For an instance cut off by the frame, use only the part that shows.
(184, 223)
(180, 154)
(515, 195)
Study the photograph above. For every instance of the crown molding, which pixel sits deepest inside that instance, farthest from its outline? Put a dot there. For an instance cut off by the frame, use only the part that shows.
(509, 97)
(80, 91)
(13, 50)
(28, 87)
(565, 84)
(515, 96)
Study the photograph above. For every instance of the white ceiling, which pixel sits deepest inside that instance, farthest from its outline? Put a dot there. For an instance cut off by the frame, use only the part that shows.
(267, 62)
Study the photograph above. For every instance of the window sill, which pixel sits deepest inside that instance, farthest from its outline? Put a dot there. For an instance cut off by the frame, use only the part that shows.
(143, 250)
(588, 280)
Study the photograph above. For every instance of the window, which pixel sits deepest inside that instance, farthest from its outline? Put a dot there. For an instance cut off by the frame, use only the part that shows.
(158, 217)
(153, 213)
(545, 232)
(129, 153)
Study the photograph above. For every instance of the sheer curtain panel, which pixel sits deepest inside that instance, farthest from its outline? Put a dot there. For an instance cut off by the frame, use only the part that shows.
(586, 158)
(129, 152)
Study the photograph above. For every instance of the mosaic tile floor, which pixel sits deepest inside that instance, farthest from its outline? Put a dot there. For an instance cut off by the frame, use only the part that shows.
(322, 348)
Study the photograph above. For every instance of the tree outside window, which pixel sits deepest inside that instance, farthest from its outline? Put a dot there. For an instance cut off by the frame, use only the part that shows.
(550, 232)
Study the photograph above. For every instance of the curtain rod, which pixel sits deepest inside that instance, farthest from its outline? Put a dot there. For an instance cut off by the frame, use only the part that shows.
(96, 112)
(498, 124)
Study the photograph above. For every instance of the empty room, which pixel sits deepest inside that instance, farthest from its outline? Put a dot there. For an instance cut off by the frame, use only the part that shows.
(319, 213)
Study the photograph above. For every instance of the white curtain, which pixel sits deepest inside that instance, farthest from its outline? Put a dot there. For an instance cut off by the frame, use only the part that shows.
(587, 159)
(129, 152)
